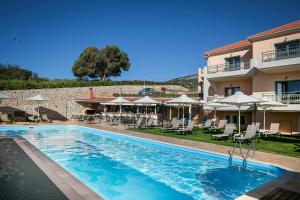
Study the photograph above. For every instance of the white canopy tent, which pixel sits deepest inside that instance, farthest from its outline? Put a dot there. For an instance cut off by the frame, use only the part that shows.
(215, 105)
(268, 104)
(119, 101)
(38, 99)
(239, 99)
(183, 101)
(147, 101)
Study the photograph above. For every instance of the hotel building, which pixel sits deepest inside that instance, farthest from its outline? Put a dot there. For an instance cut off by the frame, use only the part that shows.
(267, 65)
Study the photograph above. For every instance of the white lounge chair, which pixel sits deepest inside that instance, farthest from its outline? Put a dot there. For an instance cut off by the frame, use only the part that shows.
(222, 123)
(227, 132)
(175, 126)
(274, 130)
(188, 129)
(207, 124)
(5, 118)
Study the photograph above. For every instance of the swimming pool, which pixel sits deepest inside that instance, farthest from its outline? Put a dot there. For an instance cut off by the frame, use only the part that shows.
(121, 167)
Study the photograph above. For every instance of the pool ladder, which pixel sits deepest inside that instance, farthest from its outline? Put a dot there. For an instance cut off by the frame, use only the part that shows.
(243, 155)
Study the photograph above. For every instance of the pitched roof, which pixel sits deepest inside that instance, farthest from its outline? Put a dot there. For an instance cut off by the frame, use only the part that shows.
(286, 27)
(239, 44)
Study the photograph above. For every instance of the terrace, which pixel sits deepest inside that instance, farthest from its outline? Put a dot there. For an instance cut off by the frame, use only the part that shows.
(228, 71)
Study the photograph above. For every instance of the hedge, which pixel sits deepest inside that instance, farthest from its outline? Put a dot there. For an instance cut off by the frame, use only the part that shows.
(40, 84)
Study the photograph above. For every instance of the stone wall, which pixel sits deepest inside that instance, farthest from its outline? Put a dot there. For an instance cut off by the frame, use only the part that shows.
(62, 104)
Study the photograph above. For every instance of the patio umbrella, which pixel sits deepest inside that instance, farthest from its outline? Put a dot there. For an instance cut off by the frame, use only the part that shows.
(239, 99)
(147, 101)
(183, 101)
(268, 104)
(4, 96)
(118, 101)
(38, 99)
(214, 105)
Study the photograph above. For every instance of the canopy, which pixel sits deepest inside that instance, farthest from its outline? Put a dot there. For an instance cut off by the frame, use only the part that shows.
(183, 100)
(118, 101)
(214, 105)
(268, 104)
(239, 99)
(147, 101)
(38, 99)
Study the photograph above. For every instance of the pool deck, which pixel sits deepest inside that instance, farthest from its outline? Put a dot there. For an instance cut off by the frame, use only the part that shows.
(74, 189)
(67, 184)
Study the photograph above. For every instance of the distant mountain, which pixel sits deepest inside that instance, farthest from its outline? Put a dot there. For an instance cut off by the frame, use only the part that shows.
(189, 77)
(190, 81)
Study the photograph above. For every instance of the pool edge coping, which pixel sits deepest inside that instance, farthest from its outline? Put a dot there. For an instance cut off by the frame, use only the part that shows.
(69, 185)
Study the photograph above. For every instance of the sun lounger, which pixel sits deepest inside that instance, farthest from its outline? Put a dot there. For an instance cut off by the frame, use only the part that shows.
(207, 124)
(249, 135)
(149, 123)
(188, 129)
(175, 126)
(138, 124)
(170, 124)
(33, 119)
(222, 123)
(5, 118)
(274, 130)
(44, 118)
(227, 132)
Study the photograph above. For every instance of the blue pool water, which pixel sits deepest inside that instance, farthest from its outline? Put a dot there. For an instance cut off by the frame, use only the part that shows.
(120, 167)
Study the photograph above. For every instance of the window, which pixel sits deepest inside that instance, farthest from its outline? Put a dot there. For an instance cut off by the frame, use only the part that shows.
(232, 63)
(231, 91)
(291, 87)
(235, 119)
(287, 50)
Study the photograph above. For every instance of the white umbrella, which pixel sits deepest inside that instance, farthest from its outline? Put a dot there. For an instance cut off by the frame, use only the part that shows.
(39, 99)
(183, 100)
(268, 104)
(4, 96)
(118, 101)
(146, 101)
(214, 105)
(239, 99)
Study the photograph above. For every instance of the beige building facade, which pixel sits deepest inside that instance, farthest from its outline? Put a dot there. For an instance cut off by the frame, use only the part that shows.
(265, 65)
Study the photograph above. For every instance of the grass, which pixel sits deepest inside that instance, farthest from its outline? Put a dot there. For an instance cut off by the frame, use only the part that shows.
(284, 145)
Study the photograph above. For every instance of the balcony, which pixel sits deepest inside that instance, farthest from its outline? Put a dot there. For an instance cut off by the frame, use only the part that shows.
(286, 98)
(280, 54)
(278, 61)
(228, 71)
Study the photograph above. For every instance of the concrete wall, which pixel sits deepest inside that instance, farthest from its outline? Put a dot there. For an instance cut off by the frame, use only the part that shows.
(246, 55)
(219, 87)
(62, 102)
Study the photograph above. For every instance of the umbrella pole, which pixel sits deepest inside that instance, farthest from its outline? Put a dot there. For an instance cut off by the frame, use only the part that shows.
(239, 119)
(183, 117)
(121, 113)
(264, 119)
(215, 117)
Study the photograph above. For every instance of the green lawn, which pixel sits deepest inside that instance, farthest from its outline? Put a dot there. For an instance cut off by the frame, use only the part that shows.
(284, 145)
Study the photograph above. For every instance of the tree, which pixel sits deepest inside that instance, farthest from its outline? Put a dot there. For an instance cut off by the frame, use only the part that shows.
(86, 63)
(10, 72)
(103, 63)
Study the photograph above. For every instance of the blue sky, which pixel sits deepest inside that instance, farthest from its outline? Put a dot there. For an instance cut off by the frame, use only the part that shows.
(163, 38)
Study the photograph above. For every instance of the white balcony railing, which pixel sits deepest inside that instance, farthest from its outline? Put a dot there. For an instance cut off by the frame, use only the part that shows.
(280, 54)
(228, 67)
(286, 98)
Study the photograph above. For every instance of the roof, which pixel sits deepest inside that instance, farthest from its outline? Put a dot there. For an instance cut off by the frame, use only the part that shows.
(286, 27)
(235, 45)
(247, 42)
(106, 99)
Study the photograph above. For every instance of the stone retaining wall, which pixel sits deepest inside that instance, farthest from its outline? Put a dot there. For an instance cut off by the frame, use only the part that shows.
(63, 104)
